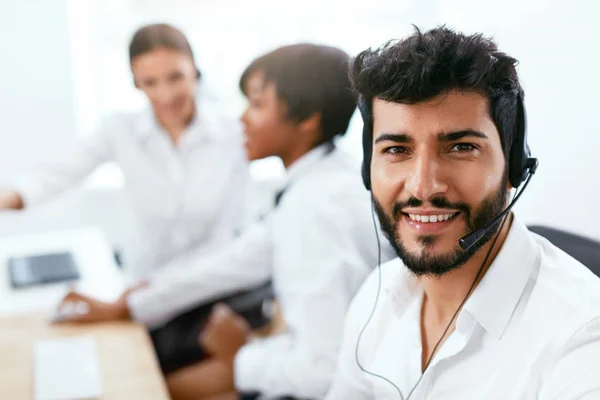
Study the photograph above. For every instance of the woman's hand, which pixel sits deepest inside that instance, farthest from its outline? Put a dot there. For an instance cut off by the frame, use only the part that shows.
(10, 200)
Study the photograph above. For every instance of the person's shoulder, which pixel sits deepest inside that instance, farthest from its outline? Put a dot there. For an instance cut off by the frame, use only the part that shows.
(130, 117)
(337, 178)
(565, 319)
(341, 161)
(384, 276)
(569, 290)
(331, 193)
(123, 123)
(379, 282)
(373, 299)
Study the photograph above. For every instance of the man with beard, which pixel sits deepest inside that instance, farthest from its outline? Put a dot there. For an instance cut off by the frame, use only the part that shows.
(475, 306)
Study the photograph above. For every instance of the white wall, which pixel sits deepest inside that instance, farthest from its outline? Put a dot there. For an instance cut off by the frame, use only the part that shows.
(36, 90)
(556, 42)
(557, 45)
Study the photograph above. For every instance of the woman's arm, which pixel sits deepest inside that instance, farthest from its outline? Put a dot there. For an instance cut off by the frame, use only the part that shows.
(64, 171)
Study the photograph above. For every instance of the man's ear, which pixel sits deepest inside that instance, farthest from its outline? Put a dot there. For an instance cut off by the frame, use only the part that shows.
(312, 124)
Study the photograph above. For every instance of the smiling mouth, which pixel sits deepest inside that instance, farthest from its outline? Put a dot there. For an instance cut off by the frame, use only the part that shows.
(432, 218)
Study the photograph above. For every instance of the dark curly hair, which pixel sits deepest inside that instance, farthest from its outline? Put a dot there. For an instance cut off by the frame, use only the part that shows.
(425, 65)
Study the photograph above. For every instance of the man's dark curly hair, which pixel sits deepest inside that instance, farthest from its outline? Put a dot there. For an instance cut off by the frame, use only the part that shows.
(425, 65)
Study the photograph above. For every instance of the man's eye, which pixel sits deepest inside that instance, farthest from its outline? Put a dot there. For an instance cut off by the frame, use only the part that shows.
(463, 148)
(395, 150)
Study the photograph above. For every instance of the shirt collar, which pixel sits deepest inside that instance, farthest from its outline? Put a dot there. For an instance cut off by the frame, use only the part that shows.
(496, 297)
(307, 161)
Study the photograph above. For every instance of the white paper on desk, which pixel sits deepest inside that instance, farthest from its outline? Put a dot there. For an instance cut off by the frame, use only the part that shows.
(66, 369)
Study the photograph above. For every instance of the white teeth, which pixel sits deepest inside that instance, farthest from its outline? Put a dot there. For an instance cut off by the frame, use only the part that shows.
(430, 218)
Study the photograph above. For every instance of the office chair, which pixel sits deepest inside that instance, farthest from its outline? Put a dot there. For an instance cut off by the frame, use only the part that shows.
(583, 249)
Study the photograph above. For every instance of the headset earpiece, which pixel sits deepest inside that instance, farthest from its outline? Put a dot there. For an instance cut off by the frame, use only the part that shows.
(367, 140)
(519, 155)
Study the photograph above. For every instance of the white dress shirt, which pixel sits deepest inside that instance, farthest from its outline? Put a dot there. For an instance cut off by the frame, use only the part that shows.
(530, 330)
(318, 246)
(184, 197)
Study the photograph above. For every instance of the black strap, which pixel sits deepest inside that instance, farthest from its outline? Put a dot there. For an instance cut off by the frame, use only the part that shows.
(278, 196)
(257, 396)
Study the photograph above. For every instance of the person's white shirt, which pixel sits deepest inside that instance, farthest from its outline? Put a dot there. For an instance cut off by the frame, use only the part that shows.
(530, 330)
(184, 197)
(318, 246)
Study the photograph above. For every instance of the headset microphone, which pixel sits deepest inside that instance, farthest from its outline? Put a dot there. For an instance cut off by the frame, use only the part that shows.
(467, 241)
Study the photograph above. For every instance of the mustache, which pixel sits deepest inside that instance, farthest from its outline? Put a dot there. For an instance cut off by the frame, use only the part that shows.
(437, 202)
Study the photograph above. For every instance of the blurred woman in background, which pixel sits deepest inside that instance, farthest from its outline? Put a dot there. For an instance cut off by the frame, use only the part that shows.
(185, 166)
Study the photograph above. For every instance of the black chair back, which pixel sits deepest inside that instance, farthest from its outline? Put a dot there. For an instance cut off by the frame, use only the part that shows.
(583, 249)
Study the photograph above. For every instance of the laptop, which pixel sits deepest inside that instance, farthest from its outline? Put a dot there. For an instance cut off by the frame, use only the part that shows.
(42, 269)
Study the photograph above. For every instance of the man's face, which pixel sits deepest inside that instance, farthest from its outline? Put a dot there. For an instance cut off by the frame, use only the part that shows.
(437, 173)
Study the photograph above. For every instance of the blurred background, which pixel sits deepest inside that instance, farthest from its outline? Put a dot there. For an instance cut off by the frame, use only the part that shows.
(64, 66)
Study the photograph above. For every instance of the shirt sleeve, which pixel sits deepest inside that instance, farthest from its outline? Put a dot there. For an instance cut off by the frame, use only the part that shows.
(575, 374)
(302, 362)
(63, 173)
(199, 277)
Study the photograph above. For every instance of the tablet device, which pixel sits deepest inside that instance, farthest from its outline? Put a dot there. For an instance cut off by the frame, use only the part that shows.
(42, 269)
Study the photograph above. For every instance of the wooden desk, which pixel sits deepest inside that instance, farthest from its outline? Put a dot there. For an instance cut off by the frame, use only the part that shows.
(127, 363)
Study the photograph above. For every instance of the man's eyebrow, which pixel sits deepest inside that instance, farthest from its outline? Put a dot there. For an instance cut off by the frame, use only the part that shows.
(394, 137)
(453, 136)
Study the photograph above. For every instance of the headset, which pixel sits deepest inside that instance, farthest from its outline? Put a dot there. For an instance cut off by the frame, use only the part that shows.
(521, 168)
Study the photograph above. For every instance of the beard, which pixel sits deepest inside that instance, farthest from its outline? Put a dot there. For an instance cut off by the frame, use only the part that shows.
(426, 262)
